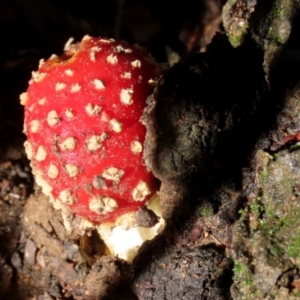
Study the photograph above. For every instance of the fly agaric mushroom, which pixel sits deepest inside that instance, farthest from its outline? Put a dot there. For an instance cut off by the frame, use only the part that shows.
(85, 139)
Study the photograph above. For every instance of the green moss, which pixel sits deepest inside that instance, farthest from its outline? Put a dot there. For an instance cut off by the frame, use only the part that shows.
(242, 212)
(269, 212)
(270, 32)
(295, 147)
(276, 10)
(297, 294)
(276, 225)
(271, 241)
(273, 216)
(206, 212)
(256, 209)
(275, 14)
(293, 228)
(244, 280)
(278, 16)
(282, 236)
(293, 250)
(242, 273)
(263, 175)
(235, 40)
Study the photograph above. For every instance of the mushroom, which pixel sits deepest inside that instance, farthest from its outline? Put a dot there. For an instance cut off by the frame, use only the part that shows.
(85, 139)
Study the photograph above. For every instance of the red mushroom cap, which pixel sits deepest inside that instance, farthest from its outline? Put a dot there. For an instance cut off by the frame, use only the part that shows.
(82, 121)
